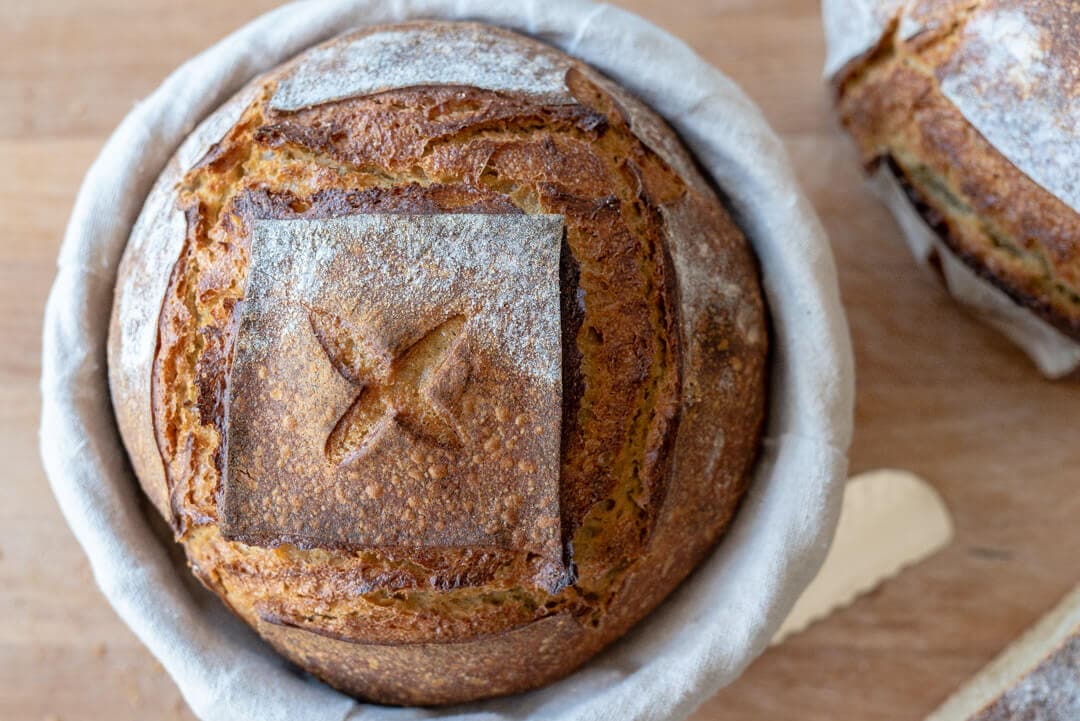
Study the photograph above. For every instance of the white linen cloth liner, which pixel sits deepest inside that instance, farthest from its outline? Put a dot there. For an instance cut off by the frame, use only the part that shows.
(1053, 353)
(709, 630)
(1013, 91)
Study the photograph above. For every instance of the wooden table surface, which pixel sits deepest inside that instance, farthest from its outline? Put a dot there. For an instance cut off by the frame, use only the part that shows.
(938, 394)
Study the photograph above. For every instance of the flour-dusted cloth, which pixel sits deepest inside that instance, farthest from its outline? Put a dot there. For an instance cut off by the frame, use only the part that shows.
(710, 629)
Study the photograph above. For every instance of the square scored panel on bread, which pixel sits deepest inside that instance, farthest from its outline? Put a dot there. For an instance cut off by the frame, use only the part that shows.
(397, 382)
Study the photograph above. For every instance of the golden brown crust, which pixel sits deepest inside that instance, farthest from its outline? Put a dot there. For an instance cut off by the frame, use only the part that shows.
(415, 674)
(994, 217)
(663, 369)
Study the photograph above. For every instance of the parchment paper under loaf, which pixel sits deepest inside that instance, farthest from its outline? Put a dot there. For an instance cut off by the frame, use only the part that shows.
(710, 629)
(1021, 91)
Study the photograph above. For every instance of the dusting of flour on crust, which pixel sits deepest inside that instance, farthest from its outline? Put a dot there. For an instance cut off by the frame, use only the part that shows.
(1016, 77)
(384, 60)
(341, 436)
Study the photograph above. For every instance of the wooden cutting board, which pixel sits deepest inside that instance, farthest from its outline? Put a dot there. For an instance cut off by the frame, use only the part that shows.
(938, 394)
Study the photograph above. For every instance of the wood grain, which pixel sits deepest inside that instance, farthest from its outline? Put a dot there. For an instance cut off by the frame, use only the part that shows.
(938, 394)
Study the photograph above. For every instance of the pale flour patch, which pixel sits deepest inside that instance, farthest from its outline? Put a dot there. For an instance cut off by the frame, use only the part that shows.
(1016, 86)
(410, 57)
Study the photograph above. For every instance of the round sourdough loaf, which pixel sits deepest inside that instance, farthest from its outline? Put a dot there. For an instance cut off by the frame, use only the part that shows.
(970, 110)
(444, 363)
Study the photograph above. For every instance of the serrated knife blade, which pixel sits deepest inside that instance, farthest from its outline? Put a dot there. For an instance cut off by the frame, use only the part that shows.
(889, 520)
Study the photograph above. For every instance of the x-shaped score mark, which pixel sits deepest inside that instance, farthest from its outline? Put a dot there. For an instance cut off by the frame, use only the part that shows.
(407, 390)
